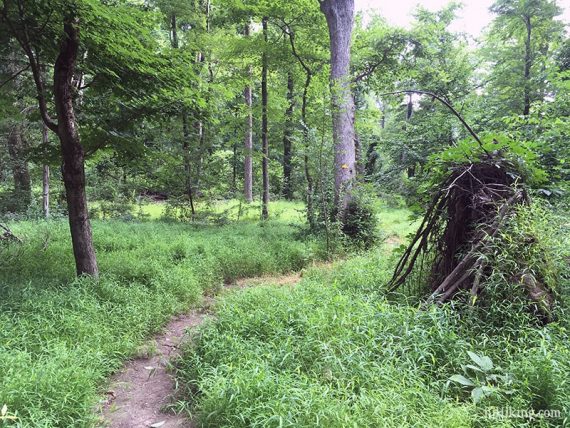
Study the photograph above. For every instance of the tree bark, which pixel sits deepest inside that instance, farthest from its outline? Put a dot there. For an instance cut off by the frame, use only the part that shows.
(73, 168)
(340, 20)
(20, 171)
(288, 140)
(264, 127)
(45, 178)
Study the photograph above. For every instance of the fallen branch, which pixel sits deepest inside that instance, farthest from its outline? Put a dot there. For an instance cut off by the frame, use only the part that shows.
(8, 235)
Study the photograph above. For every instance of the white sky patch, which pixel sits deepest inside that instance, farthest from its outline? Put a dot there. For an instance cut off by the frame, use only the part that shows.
(473, 18)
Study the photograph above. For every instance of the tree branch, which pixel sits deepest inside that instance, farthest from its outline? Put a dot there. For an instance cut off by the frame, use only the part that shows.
(449, 106)
(34, 64)
(5, 82)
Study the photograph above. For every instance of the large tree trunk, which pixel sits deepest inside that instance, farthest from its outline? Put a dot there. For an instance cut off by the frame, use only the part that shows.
(340, 20)
(20, 171)
(45, 178)
(288, 140)
(73, 154)
(264, 128)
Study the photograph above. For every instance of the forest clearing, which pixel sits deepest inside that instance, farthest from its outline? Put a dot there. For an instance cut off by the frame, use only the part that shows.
(284, 213)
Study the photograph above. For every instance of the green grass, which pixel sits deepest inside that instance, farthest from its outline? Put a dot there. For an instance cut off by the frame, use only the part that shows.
(333, 352)
(60, 337)
(231, 209)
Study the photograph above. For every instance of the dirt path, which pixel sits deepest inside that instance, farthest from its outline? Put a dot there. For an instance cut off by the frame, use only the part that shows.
(139, 393)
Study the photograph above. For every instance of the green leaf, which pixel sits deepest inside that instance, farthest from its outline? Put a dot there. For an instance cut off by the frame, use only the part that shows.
(461, 380)
(477, 394)
(472, 367)
(483, 362)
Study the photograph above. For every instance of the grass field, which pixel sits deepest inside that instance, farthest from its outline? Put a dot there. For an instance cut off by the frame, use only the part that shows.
(60, 337)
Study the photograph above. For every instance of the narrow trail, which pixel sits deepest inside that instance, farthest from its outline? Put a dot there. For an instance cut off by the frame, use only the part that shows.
(138, 394)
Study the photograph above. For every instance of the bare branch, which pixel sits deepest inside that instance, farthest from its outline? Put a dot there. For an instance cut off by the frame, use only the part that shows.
(5, 82)
(449, 106)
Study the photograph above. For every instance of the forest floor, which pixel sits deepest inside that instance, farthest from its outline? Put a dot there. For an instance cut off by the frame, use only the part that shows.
(140, 394)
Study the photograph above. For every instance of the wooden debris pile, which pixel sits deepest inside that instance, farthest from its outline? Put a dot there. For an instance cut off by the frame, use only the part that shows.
(474, 203)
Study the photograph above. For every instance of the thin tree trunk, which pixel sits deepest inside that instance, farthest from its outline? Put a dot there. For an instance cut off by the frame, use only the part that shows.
(527, 66)
(264, 128)
(372, 154)
(248, 137)
(234, 169)
(185, 129)
(371, 158)
(199, 136)
(20, 171)
(248, 146)
(306, 136)
(288, 140)
(340, 19)
(73, 168)
(174, 31)
(186, 155)
(45, 178)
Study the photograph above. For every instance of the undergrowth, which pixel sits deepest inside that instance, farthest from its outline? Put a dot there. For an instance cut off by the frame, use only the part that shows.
(334, 352)
(61, 338)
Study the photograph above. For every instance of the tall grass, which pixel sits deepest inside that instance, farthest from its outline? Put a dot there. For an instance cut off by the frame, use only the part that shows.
(333, 352)
(60, 337)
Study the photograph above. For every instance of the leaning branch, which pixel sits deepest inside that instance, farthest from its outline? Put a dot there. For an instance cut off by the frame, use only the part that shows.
(449, 106)
(13, 76)
(8, 235)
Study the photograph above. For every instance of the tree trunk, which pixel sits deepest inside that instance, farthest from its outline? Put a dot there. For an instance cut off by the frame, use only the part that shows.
(527, 66)
(306, 136)
(20, 171)
(186, 155)
(264, 128)
(248, 147)
(371, 158)
(185, 129)
(73, 169)
(45, 178)
(198, 132)
(173, 31)
(288, 140)
(248, 138)
(340, 19)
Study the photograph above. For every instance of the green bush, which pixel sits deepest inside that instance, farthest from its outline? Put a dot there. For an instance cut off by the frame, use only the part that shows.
(360, 221)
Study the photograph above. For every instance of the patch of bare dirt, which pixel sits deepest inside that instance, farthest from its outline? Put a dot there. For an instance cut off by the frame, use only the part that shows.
(290, 279)
(394, 240)
(139, 393)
